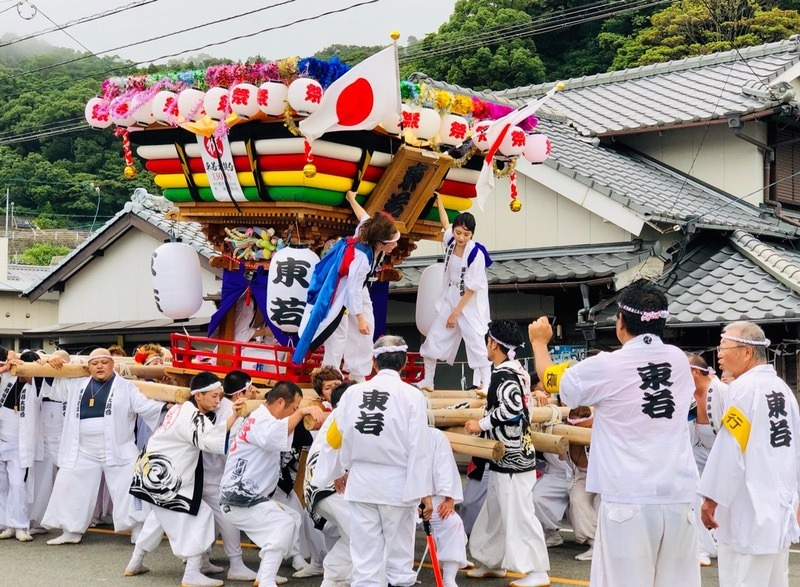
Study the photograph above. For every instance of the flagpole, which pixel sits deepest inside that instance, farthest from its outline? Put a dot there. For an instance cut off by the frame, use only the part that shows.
(395, 35)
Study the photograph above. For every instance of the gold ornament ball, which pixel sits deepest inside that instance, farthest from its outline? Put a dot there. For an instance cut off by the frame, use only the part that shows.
(310, 170)
(515, 205)
(560, 87)
(395, 34)
(130, 172)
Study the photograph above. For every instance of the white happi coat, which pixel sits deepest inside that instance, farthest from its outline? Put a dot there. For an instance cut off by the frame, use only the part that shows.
(385, 445)
(323, 465)
(757, 488)
(641, 446)
(29, 438)
(166, 474)
(476, 312)
(125, 401)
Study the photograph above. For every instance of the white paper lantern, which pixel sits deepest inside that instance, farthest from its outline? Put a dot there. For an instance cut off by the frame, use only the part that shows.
(423, 123)
(271, 98)
(289, 276)
(243, 99)
(120, 112)
(216, 103)
(304, 95)
(513, 142)
(453, 130)
(165, 106)
(429, 291)
(143, 113)
(537, 148)
(190, 104)
(96, 115)
(177, 281)
(391, 123)
(480, 135)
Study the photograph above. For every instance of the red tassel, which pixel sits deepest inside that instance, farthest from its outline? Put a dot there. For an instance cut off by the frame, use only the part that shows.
(247, 296)
(309, 155)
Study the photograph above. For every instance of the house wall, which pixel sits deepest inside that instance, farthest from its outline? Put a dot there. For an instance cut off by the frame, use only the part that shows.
(119, 286)
(18, 314)
(547, 219)
(711, 154)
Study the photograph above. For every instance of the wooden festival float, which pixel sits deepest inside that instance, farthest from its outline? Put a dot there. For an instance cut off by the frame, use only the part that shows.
(225, 146)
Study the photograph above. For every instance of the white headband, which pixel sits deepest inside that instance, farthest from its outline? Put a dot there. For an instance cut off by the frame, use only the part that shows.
(242, 390)
(389, 349)
(512, 353)
(392, 240)
(209, 387)
(574, 421)
(764, 342)
(706, 370)
(152, 358)
(646, 316)
(94, 358)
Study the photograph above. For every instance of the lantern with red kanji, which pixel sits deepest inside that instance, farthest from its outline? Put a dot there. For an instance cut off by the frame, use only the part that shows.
(305, 95)
(391, 123)
(513, 142)
(143, 113)
(120, 111)
(97, 114)
(190, 104)
(216, 103)
(243, 99)
(480, 136)
(165, 106)
(537, 148)
(423, 123)
(271, 98)
(453, 130)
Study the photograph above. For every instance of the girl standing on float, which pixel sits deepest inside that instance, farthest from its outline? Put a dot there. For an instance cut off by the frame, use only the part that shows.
(338, 312)
(463, 309)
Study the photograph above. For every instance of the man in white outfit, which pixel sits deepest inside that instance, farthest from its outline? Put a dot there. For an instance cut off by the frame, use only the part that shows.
(642, 464)
(750, 482)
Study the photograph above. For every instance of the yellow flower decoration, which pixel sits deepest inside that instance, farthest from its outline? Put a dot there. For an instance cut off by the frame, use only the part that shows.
(288, 67)
(442, 100)
(461, 105)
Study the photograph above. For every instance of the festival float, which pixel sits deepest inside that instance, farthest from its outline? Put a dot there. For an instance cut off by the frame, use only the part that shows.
(262, 154)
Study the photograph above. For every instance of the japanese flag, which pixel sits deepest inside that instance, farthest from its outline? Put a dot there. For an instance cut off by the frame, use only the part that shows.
(358, 100)
(496, 132)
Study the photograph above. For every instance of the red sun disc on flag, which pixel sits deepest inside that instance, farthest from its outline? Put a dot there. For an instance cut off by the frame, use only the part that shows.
(355, 103)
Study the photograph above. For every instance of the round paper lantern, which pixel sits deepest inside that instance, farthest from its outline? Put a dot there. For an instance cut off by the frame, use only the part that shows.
(96, 115)
(453, 130)
(190, 104)
(480, 135)
(271, 98)
(290, 272)
(143, 113)
(537, 148)
(120, 112)
(165, 106)
(513, 142)
(177, 282)
(391, 123)
(431, 283)
(304, 95)
(243, 99)
(216, 103)
(423, 123)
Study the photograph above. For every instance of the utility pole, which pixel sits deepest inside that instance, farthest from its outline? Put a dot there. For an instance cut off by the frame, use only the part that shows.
(8, 190)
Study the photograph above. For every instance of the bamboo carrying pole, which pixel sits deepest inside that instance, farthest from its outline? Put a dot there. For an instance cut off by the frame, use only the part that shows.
(452, 393)
(437, 403)
(165, 393)
(550, 443)
(74, 370)
(458, 417)
(475, 446)
(574, 434)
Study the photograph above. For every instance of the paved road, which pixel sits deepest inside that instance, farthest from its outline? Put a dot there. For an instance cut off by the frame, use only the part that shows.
(101, 559)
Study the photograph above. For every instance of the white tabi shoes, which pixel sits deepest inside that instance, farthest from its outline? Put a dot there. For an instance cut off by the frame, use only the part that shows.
(309, 571)
(482, 572)
(553, 538)
(23, 535)
(66, 538)
(278, 581)
(7, 533)
(298, 562)
(534, 579)
(241, 573)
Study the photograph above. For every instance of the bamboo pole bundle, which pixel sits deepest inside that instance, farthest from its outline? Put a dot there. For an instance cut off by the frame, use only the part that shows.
(458, 417)
(437, 403)
(452, 393)
(574, 434)
(550, 443)
(475, 446)
(165, 393)
(74, 370)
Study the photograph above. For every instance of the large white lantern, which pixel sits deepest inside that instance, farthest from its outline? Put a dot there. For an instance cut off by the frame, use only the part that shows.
(304, 95)
(190, 104)
(243, 99)
(271, 98)
(290, 271)
(165, 106)
(391, 123)
(480, 135)
(143, 112)
(513, 142)
(423, 123)
(120, 111)
(453, 130)
(537, 148)
(216, 103)
(96, 115)
(177, 281)
(429, 293)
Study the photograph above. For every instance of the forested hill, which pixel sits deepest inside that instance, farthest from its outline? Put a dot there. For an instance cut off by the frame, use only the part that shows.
(59, 170)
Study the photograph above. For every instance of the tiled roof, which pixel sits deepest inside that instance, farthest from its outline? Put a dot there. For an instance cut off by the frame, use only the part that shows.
(677, 92)
(556, 264)
(20, 277)
(650, 189)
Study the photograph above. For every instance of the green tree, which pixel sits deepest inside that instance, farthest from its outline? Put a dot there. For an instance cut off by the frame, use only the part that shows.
(349, 54)
(42, 253)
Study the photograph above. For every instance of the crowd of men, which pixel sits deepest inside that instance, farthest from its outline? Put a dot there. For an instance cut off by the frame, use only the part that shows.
(682, 467)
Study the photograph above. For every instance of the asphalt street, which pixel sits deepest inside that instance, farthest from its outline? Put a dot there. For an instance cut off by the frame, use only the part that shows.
(102, 556)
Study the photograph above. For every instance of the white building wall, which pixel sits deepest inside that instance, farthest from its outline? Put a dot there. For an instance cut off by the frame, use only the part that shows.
(711, 154)
(18, 314)
(119, 286)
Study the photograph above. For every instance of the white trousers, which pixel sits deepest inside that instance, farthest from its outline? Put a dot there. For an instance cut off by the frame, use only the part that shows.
(13, 491)
(382, 535)
(442, 342)
(550, 500)
(645, 545)
(44, 471)
(188, 535)
(507, 534)
(75, 495)
(230, 534)
(449, 536)
(474, 496)
(338, 565)
(582, 513)
(273, 527)
(310, 542)
(752, 570)
(348, 343)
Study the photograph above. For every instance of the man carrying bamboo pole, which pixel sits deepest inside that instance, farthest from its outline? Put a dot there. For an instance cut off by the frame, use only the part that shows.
(642, 464)
(507, 536)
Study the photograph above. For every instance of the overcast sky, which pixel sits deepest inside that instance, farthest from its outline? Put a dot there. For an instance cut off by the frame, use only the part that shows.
(363, 25)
